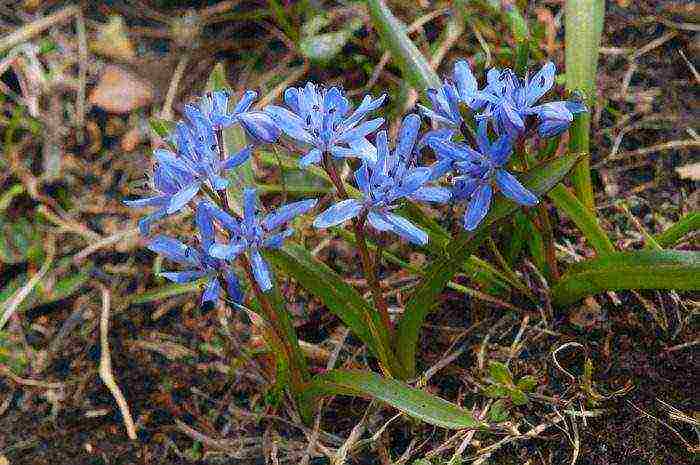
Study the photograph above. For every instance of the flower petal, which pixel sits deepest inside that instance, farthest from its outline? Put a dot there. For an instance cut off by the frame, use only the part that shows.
(146, 221)
(431, 194)
(261, 272)
(540, 83)
(408, 133)
(237, 159)
(406, 229)
(290, 124)
(286, 213)
(515, 191)
(277, 240)
(180, 199)
(362, 130)
(226, 251)
(314, 156)
(368, 105)
(182, 277)
(465, 81)
(338, 213)
(156, 201)
(211, 291)
(259, 126)
(233, 286)
(245, 102)
(478, 207)
(205, 224)
(172, 249)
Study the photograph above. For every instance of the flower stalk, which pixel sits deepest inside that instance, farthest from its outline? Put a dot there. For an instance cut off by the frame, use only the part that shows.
(368, 266)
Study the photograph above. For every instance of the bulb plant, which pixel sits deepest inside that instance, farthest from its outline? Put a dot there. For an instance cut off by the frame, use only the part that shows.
(468, 133)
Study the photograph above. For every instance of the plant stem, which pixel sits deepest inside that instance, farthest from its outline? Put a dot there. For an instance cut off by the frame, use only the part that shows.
(367, 264)
(298, 374)
(548, 233)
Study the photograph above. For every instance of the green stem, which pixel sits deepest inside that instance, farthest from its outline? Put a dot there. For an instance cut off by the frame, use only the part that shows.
(368, 266)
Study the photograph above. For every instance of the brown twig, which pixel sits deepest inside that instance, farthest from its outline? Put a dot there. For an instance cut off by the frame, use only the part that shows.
(106, 366)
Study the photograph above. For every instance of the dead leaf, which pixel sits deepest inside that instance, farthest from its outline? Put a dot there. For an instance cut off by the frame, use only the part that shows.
(691, 171)
(113, 41)
(119, 91)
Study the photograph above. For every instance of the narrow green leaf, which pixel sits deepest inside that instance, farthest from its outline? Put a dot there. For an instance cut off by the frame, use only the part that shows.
(686, 225)
(163, 292)
(411, 401)
(583, 26)
(639, 269)
(392, 32)
(500, 373)
(539, 180)
(162, 127)
(584, 219)
(339, 297)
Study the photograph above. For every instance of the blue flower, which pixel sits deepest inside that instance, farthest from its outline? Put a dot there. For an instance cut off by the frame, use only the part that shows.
(179, 176)
(199, 264)
(479, 170)
(446, 100)
(382, 183)
(257, 124)
(254, 232)
(509, 101)
(556, 117)
(321, 120)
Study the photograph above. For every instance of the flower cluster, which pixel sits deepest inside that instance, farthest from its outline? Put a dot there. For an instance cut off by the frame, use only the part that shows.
(322, 124)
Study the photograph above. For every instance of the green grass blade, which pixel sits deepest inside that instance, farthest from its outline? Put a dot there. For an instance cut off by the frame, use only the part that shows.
(410, 60)
(411, 401)
(539, 180)
(583, 26)
(586, 221)
(684, 226)
(638, 269)
(340, 298)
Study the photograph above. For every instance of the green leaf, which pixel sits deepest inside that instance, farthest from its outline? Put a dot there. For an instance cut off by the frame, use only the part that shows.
(517, 396)
(498, 412)
(539, 180)
(584, 219)
(411, 401)
(162, 127)
(495, 391)
(500, 373)
(527, 383)
(684, 226)
(410, 60)
(583, 25)
(339, 297)
(169, 290)
(639, 269)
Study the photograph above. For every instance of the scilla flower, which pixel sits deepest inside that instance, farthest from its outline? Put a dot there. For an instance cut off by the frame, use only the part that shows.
(320, 120)
(257, 124)
(510, 100)
(460, 88)
(389, 179)
(480, 171)
(254, 232)
(179, 176)
(198, 263)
